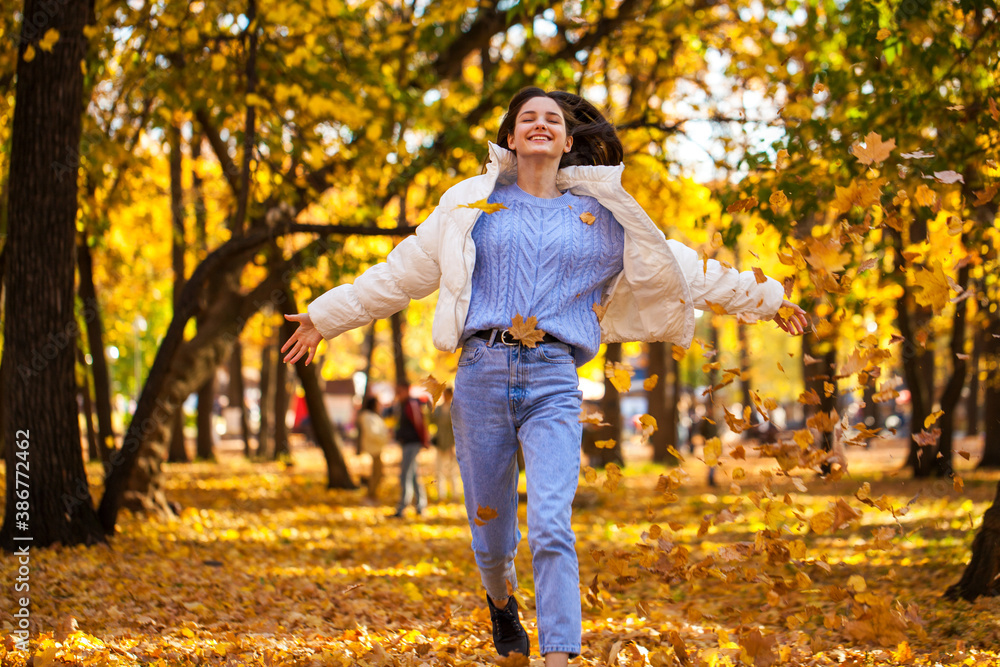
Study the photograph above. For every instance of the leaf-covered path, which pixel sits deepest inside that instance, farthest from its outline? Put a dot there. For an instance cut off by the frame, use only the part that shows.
(267, 567)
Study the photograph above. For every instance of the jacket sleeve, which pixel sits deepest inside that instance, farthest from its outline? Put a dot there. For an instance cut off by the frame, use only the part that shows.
(410, 271)
(737, 293)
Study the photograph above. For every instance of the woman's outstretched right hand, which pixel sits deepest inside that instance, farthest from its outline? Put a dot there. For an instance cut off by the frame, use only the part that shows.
(305, 339)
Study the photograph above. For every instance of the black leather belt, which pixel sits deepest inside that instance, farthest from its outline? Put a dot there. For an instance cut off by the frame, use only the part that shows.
(505, 337)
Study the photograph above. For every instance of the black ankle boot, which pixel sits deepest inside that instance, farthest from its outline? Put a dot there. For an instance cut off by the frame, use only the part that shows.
(508, 634)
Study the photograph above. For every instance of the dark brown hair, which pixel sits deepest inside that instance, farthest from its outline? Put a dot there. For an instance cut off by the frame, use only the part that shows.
(595, 141)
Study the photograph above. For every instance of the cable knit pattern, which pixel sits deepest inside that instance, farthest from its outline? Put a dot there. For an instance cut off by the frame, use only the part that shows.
(538, 258)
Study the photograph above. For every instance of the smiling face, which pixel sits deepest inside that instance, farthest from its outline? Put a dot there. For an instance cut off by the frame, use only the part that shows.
(540, 130)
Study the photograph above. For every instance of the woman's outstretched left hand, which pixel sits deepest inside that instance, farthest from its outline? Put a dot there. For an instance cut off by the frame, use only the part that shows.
(305, 339)
(796, 323)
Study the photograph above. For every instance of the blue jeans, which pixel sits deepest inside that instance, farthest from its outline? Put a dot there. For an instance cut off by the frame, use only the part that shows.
(505, 394)
(410, 488)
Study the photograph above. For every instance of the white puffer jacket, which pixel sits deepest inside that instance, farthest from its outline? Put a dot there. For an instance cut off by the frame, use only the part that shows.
(652, 299)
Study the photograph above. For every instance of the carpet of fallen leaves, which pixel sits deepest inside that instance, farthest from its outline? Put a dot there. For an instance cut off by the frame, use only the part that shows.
(265, 566)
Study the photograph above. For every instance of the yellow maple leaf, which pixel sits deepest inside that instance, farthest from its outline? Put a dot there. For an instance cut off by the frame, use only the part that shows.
(620, 375)
(48, 40)
(525, 331)
(874, 149)
(485, 206)
(825, 254)
(932, 287)
(433, 387)
(484, 515)
(587, 217)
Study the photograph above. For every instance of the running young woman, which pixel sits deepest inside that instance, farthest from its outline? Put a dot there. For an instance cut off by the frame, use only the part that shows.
(571, 248)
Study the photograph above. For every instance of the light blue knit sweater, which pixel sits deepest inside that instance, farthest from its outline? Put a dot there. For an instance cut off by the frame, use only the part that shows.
(538, 257)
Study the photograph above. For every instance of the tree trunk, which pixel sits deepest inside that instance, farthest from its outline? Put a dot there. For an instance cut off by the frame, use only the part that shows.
(991, 396)
(205, 445)
(972, 401)
(281, 398)
(663, 404)
(980, 576)
(916, 359)
(237, 394)
(98, 362)
(953, 389)
(178, 450)
(818, 373)
(267, 364)
(337, 475)
(611, 409)
(83, 387)
(398, 356)
(44, 460)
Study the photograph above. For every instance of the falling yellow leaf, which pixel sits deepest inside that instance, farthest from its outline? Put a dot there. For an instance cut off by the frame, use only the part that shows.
(925, 196)
(48, 40)
(434, 388)
(587, 217)
(525, 331)
(778, 199)
(605, 444)
(599, 310)
(484, 515)
(677, 352)
(933, 417)
(932, 287)
(742, 205)
(620, 375)
(485, 206)
(958, 483)
(883, 34)
(857, 583)
(874, 150)
(994, 110)
(716, 308)
(648, 423)
(29, 53)
(759, 276)
(821, 522)
(986, 195)
(650, 383)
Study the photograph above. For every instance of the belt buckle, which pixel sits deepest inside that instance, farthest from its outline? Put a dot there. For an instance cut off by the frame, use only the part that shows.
(503, 339)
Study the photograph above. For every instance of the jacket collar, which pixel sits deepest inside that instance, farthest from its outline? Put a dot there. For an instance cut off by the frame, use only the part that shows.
(503, 166)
